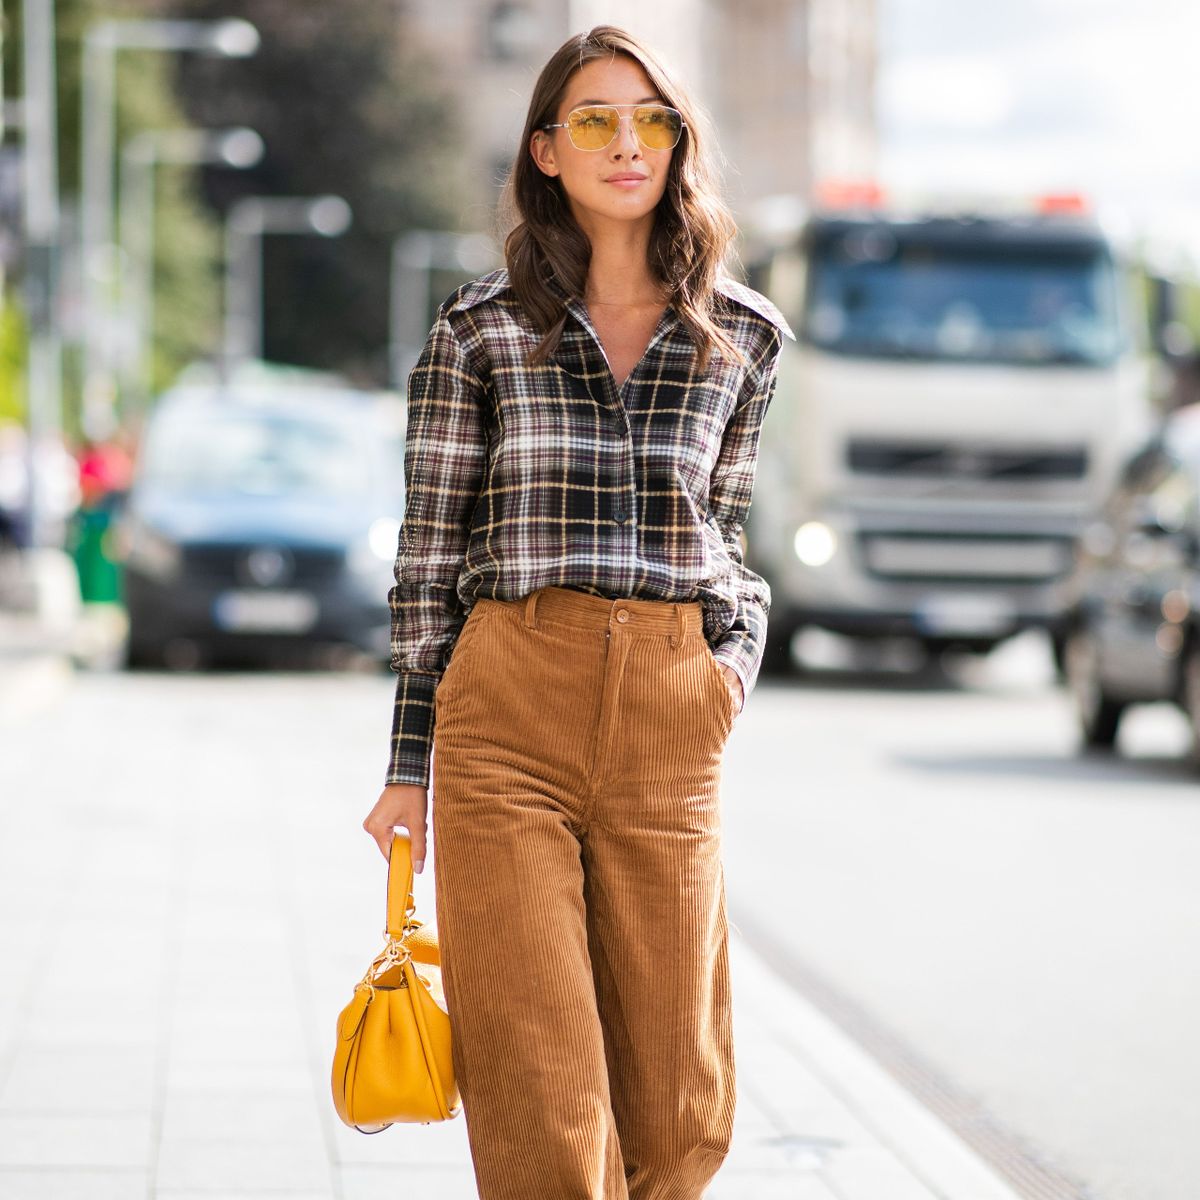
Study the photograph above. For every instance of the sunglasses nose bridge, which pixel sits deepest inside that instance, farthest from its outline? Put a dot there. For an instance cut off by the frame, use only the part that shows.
(623, 123)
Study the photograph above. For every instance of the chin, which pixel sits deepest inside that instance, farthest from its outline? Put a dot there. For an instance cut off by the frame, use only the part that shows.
(621, 208)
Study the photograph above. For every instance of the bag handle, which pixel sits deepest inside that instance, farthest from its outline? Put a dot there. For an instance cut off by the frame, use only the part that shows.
(400, 902)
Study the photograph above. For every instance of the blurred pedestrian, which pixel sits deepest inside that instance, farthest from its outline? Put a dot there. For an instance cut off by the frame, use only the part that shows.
(105, 466)
(570, 599)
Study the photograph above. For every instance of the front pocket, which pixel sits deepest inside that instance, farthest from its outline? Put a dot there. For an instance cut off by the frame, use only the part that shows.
(460, 647)
(725, 695)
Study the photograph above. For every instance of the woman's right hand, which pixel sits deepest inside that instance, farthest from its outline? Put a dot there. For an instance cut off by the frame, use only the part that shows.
(404, 804)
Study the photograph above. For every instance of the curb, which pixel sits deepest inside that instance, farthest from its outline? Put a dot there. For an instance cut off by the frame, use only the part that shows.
(930, 1140)
(884, 1142)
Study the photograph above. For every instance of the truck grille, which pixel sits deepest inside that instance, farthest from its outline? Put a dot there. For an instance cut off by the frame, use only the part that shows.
(933, 557)
(947, 460)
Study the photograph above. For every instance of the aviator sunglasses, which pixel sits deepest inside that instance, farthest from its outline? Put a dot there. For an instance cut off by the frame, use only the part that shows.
(594, 126)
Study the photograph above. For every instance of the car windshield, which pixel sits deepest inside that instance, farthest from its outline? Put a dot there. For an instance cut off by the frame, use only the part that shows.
(255, 453)
(872, 293)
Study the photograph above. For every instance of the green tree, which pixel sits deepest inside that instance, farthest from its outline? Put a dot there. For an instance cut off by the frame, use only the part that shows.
(187, 238)
(12, 359)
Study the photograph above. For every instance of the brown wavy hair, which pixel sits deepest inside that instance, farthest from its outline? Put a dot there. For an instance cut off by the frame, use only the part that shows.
(693, 227)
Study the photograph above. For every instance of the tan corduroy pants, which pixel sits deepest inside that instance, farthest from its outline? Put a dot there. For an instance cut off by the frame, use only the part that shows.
(581, 897)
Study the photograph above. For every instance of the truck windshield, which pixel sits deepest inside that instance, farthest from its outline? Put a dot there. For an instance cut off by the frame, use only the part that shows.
(871, 293)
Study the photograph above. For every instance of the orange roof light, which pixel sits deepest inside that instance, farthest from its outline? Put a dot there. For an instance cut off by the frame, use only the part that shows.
(1061, 202)
(849, 193)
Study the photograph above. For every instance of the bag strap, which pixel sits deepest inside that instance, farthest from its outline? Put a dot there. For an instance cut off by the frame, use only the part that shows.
(400, 902)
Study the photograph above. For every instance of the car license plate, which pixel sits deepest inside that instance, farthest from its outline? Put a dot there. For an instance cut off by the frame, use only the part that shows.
(266, 612)
(965, 613)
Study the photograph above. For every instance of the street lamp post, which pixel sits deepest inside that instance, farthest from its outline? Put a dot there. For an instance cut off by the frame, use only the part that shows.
(414, 256)
(230, 38)
(247, 221)
(41, 220)
(238, 148)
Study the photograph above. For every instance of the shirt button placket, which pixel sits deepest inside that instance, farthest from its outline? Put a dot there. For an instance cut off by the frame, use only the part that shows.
(624, 505)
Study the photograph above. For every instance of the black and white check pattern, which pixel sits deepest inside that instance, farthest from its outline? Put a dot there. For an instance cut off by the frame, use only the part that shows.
(519, 478)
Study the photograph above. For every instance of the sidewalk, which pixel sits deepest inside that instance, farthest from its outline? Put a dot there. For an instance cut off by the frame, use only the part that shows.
(46, 630)
(38, 660)
(35, 661)
(180, 930)
(203, 1071)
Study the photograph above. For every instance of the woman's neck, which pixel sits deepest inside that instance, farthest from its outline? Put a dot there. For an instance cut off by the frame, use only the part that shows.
(619, 272)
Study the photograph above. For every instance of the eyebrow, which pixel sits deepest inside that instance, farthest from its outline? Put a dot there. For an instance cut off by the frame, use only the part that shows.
(643, 100)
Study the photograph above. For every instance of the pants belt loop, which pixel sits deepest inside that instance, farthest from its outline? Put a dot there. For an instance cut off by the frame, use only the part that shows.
(681, 626)
(530, 605)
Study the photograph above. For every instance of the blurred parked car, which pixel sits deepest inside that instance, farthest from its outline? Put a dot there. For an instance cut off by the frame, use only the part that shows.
(262, 517)
(1135, 635)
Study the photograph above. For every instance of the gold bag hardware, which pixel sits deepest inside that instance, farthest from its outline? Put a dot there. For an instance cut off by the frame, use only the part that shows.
(392, 1062)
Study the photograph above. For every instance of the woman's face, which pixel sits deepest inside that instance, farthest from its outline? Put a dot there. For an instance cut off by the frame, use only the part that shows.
(590, 178)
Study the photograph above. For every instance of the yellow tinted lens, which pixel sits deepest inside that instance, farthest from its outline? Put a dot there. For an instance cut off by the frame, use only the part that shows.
(593, 128)
(657, 127)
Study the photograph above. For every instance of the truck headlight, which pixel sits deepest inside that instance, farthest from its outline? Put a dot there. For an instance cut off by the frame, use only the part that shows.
(815, 543)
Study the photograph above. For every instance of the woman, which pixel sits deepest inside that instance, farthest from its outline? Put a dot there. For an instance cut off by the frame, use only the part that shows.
(582, 440)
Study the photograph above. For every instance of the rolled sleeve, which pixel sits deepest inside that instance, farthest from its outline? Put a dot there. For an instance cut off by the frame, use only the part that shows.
(741, 646)
(445, 453)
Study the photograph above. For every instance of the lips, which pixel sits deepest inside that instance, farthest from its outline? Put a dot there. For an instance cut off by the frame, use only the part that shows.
(628, 177)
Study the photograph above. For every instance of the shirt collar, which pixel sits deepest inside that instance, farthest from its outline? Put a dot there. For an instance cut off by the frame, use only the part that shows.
(755, 301)
(495, 282)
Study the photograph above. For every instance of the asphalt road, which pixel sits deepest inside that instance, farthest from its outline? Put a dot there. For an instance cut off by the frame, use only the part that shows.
(1024, 918)
(931, 852)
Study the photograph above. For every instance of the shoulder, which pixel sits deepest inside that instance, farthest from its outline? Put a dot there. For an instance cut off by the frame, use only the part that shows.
(477, 291)
(488, 324)
(752, 305)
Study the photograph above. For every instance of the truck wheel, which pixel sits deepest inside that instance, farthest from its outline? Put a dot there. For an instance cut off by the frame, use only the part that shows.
(935, 646)
(1099, 712)
(777, 652)
(1058, 650)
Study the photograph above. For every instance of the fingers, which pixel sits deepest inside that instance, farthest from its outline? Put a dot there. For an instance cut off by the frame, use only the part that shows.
(734, 680)
(400, 806)
(416, 833)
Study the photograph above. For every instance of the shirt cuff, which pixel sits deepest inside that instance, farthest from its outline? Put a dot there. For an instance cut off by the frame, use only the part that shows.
(412, 728)
(741, 654)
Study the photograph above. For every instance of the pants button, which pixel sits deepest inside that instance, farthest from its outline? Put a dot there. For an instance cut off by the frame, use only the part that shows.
(622, 615)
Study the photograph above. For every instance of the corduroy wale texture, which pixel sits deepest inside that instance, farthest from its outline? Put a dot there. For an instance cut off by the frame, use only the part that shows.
(581, 897)
(526, 477)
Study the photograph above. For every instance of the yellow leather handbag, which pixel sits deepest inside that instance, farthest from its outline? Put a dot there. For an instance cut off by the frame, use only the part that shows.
(392, 1062)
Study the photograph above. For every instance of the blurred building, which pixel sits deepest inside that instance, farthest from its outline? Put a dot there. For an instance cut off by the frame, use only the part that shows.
(790, 84)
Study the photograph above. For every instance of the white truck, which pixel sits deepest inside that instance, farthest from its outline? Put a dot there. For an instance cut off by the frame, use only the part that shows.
(961, 394)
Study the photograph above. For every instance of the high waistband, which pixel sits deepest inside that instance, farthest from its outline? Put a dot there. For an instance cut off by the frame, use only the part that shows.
(589, 611)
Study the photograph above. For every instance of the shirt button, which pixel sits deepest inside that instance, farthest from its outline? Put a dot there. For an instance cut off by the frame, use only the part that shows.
(620, 516)
(622, 615)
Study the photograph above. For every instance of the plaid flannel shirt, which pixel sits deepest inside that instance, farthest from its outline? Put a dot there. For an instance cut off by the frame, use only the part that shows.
(525, 477)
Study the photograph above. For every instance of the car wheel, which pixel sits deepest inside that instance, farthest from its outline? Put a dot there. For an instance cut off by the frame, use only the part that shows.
(143, 653)
(1099, 712)
(185, 654)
